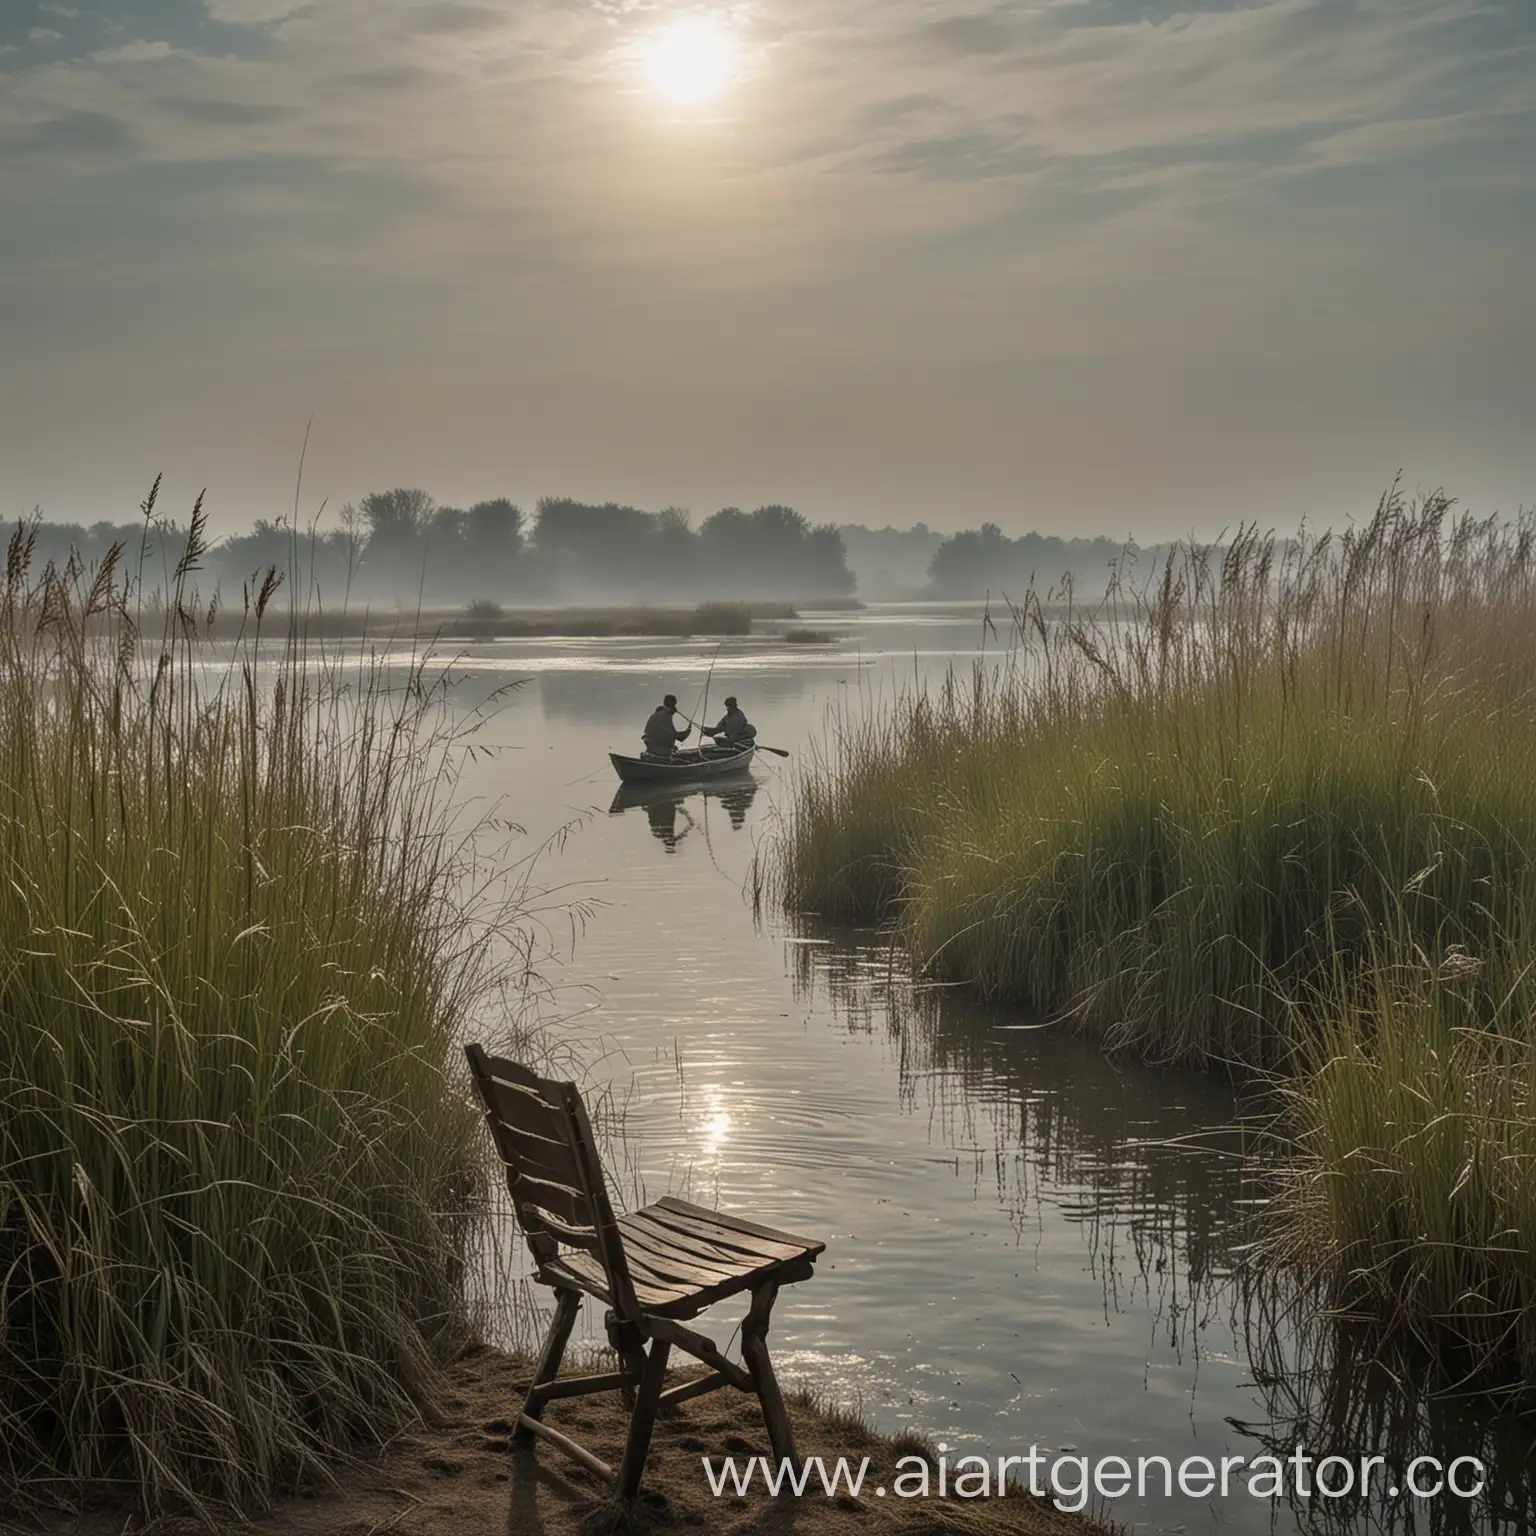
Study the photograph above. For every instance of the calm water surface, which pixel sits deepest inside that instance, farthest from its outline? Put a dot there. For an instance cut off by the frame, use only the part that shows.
(1026, 1244)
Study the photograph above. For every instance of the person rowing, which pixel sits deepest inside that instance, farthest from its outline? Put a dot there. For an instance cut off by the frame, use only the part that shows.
(661, 734)
(734, 730)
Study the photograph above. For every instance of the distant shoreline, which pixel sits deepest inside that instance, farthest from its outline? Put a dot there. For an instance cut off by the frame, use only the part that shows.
(491, 621)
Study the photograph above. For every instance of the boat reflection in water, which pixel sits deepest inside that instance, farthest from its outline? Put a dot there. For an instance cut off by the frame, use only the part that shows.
(674, 810)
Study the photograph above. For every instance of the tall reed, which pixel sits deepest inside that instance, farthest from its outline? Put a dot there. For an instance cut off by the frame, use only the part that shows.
(1161, 815)
(1412, 1191)
(1277, 808)
(238, 1181)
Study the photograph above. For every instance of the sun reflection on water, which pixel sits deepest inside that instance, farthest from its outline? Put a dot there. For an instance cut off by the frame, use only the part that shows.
(716, 1125)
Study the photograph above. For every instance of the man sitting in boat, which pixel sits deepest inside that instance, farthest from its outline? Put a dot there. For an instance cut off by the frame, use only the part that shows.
(661, 734)
(733, 729)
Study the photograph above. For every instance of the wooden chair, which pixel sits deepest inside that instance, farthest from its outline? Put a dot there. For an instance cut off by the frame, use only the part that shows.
(653, 1269)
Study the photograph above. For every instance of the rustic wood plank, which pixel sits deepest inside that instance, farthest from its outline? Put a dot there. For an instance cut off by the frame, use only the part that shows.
(765, 1249)
(736, 1223)
(579, 1271)
(718, 1228)
(570, 1205)
(643, 1272)
(702, 1292)
(525, 1111)
(523, 1092)
(586, 1273)
(535, 1219)
(680, 1299)
(503, 1067)
(672, 1257)
(745, 1250)
(692, 1244)
(695, 1243)
(534, 1154)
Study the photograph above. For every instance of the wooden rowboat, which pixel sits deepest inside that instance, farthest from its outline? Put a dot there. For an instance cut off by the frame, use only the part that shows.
(682, 767)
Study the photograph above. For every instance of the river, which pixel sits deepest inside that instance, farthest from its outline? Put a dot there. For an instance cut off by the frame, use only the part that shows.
(1026, 1244)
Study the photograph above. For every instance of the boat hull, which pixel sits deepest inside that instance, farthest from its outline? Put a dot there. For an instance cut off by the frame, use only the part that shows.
(684, 768)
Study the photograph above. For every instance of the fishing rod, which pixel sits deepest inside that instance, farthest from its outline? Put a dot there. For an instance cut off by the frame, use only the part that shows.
(777, 751)
(707, 677)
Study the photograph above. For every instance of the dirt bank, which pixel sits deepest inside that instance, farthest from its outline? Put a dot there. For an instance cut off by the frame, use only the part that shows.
(464, 1478)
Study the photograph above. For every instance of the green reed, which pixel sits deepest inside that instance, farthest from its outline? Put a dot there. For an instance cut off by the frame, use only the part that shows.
(1158, 816)
(239, 1182)
(1412, 1192)
(1276, 807)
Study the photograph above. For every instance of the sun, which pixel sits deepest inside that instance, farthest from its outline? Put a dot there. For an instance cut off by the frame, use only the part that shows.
(691, 60)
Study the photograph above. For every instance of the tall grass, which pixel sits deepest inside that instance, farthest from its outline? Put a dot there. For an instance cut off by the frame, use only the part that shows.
(1162, 815)
(238, 1183)
(1274, 808)
(1412, 1194)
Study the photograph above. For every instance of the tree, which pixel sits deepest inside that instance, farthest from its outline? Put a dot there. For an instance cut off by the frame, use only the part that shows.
(397, 519)
(397, 523)
(494, 530)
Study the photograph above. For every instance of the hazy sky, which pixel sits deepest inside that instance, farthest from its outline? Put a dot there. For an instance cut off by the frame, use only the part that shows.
(1116, 265)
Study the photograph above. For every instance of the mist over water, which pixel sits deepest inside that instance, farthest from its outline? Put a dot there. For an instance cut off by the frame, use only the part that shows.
(1027, 1243)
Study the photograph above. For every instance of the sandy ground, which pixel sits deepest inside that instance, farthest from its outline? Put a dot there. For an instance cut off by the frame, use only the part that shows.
(465, 1478)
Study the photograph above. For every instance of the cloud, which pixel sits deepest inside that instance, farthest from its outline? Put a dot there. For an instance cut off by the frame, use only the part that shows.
(70, 133)
(218, 112)
(862, 126)
(389, 77)
(970, 207)
(452, 16)
(253, 13)
(140, 51)
(981, 32)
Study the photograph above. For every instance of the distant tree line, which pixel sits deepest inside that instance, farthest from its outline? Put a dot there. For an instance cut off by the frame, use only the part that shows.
(622, 551)
(401, 544)
(985, 559)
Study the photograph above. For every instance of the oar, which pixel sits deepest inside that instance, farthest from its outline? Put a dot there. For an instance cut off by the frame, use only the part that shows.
(777, 751)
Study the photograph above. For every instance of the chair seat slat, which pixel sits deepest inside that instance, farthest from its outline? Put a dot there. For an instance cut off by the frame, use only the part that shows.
(725, 1237)
(693, 1243)
(585, 1272)
(660, 1279)
(737, 1224)
(661, 1259)
(672, 1299)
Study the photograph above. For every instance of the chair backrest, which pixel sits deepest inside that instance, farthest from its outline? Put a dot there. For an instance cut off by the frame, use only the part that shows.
(541, 1130)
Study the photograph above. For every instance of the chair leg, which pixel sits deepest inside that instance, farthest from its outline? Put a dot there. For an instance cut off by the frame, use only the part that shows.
(630, 1348)
(643, 1421)
(754, 1350)
(567, 1304)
